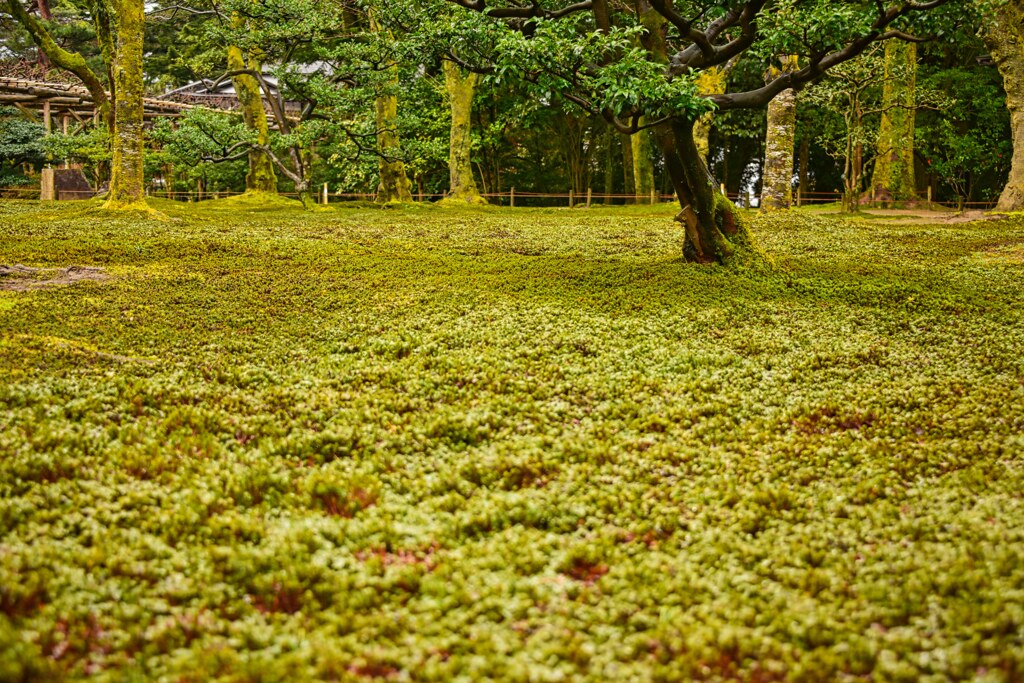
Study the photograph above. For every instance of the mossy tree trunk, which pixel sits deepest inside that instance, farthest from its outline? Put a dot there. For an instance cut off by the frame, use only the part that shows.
(395, 185)
(777, 184)
(609, 165)
(709, 82)
(628, 180)
(643, 165)
(261, 176)
(461, 87)
(126, 183)
(893, 179)
(1004, 36)
(714, 230)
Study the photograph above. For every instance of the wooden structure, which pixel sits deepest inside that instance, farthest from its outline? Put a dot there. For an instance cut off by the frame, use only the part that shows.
(70, 100)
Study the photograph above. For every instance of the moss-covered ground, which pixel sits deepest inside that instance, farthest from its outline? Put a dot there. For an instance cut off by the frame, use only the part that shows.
(518, 445)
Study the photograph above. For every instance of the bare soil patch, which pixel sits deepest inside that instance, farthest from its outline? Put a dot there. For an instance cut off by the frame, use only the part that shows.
(924, 217)
(19, 278)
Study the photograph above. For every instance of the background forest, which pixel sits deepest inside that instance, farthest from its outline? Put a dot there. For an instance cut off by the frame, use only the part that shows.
(354, 95)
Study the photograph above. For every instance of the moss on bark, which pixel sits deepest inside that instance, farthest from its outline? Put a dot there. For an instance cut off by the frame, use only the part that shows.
(893, 179)
(709, 82)
(461, 86)
(126, 184)
(643, 165)
(1004, 36)
(261, 176)
(395, 185)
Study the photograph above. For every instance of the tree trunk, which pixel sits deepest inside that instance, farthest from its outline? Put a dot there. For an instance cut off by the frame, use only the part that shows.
(609, 166)
(394, 183)
(714, 230)
(126, 183)
(261, 176)
(709, 82)
(893, 179)
(628, 181)
(643, 165)
(805, 162)
(777, 186)
(42, 59)
(1005, 40)
(460, 87)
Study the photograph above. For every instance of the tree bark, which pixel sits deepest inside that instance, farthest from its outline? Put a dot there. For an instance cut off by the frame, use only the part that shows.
(1004, 36)
(643, 165)
(261, 176)
(777, 184)
(609, 166)
(805, 162)
(893, 179)
(126, 183)
(395, 185)
(709, 82)
(628, 181)
(461, 86)
(714, 230)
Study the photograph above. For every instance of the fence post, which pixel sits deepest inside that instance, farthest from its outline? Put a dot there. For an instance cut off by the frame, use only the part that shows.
(929, 197)
(572, 200)
(799, 196)
(512, 197)
(590, 196)
(654, 196)
(325, 193)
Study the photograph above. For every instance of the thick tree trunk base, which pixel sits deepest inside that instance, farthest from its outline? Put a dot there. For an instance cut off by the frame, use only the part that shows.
(714, 229)
(455, 200)
(726, 241)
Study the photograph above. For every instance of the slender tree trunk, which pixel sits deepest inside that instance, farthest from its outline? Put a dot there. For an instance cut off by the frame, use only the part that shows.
(461, 87)
(893, 179)
(709, 82)
(777, 186)
(643, 165)
(261, 176)
(714, 230)
(805, 162)
(628, 180)
(394, 182)
(126, 184)
(1005, 39)
(609, 166)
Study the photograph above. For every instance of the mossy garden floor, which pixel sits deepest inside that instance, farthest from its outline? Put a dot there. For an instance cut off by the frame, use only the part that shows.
(526, 445)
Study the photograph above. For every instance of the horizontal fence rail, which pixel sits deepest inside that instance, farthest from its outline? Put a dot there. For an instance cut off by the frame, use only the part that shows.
(511, 198)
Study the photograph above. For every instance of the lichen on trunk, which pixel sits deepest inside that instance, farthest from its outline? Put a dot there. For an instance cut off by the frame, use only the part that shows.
(709, 82)
(643, 165)
(395, 185)
(1004, 36)
(893, 178)
(261, 176)
(461, 86)
(777, 185)
(126, 183)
